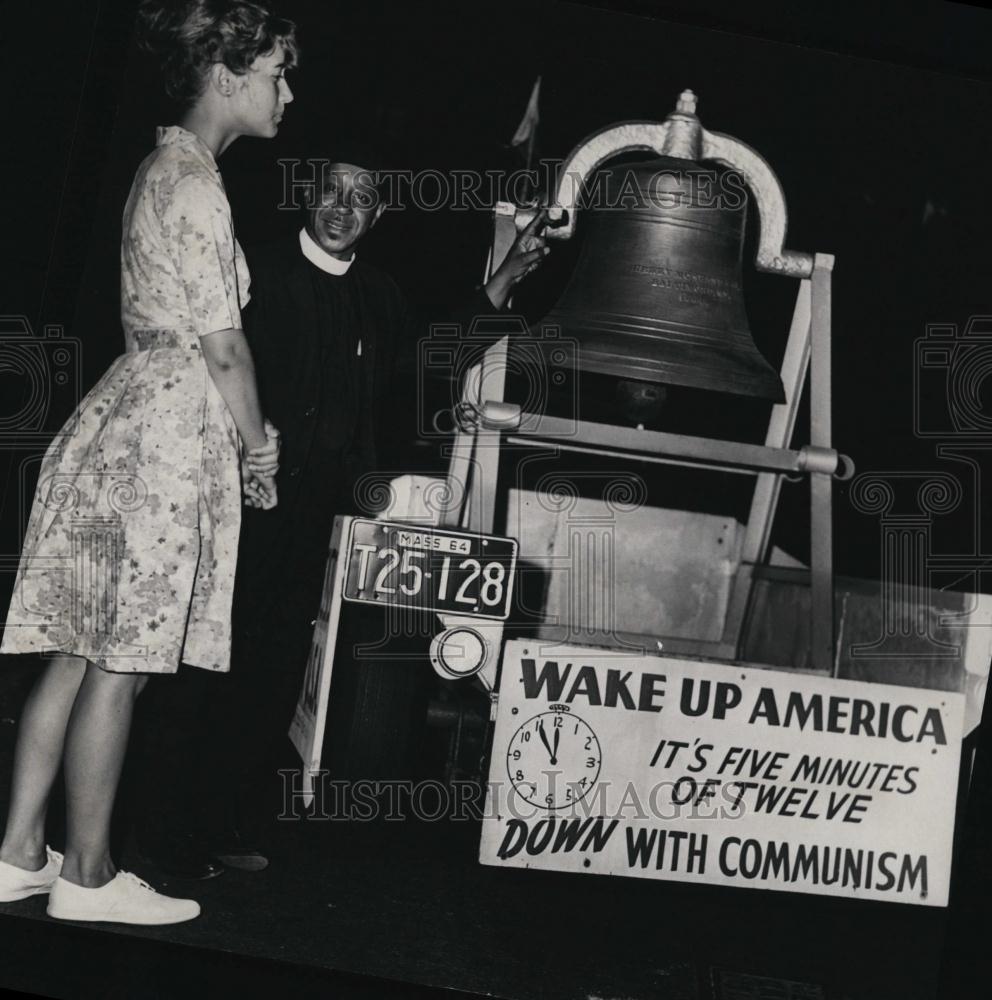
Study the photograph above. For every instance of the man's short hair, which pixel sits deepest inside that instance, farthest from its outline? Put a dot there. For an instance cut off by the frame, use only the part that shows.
(357, 152)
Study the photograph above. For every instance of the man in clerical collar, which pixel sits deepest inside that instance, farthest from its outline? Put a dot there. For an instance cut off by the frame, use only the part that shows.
(347, 207)
(328, 331)
(350, 202)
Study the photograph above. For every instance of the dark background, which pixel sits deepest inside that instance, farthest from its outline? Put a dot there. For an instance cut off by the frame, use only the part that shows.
(883, 164)
(874, 116)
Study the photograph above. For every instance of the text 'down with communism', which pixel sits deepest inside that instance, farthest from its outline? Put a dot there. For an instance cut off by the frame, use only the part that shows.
(657, 767)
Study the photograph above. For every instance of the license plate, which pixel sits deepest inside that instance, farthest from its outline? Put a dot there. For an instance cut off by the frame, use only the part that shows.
(432, 569)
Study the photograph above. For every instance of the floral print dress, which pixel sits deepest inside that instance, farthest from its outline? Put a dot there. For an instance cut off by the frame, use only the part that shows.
(130, 550)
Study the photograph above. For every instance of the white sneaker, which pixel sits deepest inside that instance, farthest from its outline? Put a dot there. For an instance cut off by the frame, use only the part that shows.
(125, 899)
(19, 883)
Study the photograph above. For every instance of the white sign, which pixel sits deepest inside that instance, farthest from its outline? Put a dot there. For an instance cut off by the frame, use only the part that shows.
(664, 768)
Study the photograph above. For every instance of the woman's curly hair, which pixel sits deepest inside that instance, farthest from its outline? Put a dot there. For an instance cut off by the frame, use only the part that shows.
(189, 37)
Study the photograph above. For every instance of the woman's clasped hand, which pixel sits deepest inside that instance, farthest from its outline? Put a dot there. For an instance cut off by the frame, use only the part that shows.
(259, 468)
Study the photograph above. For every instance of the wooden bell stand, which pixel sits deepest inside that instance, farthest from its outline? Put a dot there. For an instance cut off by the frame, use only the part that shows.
(475, 454)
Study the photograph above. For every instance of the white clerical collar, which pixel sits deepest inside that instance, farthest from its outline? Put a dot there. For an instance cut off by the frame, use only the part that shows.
(319, 257)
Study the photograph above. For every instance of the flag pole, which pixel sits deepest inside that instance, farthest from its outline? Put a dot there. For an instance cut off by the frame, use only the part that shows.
(527, 132)
(531, 186)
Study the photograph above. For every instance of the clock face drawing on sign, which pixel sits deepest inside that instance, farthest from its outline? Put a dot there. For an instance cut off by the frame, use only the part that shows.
(553, 759)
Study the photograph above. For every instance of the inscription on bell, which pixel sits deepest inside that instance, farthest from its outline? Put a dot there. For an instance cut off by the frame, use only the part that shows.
(656, 292)
(691, 285)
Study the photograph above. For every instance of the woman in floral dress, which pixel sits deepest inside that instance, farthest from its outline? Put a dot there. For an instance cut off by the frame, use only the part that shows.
(129, 557)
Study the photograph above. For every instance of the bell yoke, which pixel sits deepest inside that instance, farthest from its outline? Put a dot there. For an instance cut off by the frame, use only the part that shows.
(656, 299)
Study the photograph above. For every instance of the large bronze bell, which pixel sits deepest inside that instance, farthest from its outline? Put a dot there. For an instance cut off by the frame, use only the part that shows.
(656, 294)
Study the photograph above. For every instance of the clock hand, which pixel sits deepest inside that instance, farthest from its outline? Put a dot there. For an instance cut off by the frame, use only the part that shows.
(544, 740)
(554, 753)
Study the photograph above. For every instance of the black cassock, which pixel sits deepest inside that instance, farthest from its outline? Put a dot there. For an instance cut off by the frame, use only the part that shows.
(328, 351)
(325, 348)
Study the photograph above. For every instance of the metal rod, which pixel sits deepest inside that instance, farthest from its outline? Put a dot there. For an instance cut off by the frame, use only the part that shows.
(628, 456)
(609, 440)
